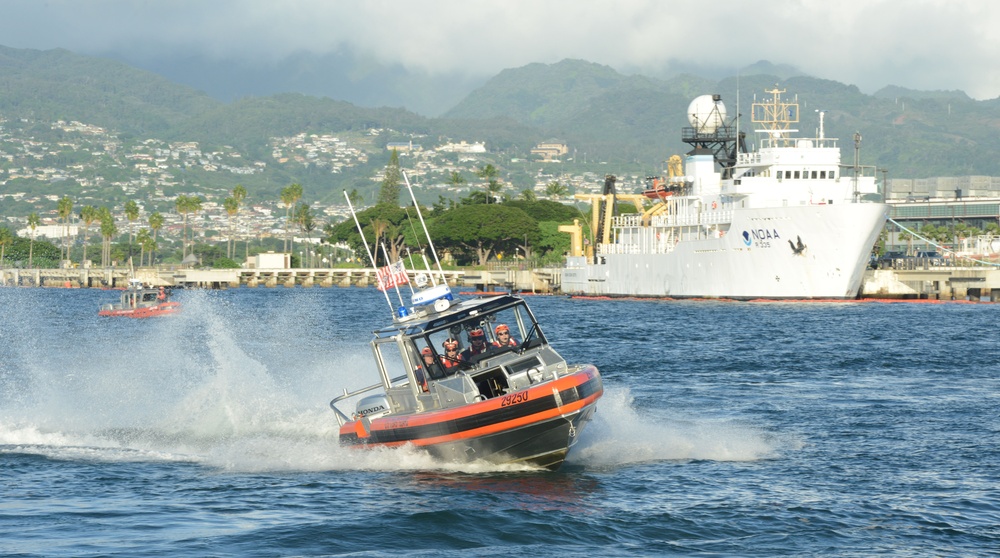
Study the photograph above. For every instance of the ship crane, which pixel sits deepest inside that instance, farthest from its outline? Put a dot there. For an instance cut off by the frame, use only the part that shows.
(602, 213)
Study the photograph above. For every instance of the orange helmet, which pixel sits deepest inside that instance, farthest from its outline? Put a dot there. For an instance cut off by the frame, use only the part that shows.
(426, 351)
(501, 328)
(477, 335)
(450, 345)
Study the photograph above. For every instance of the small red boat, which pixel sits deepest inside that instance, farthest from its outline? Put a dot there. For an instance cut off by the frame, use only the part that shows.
(141, 302)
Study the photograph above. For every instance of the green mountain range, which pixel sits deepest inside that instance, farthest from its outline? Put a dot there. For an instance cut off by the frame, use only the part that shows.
(630, 121)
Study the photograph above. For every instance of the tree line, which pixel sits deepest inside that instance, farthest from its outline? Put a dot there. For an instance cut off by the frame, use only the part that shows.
(486, 225)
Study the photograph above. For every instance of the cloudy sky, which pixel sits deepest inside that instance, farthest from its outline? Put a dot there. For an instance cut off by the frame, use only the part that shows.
(918, 44)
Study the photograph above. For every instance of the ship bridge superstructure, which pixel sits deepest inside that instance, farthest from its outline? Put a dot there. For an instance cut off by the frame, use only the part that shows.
(790, 170)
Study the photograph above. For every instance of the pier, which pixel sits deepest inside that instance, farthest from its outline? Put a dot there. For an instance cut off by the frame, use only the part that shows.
(934, 283)
(545, 280)
(928, 282)
(111, 278)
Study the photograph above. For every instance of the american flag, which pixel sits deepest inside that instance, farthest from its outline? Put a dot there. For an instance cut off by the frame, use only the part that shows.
(392, 276)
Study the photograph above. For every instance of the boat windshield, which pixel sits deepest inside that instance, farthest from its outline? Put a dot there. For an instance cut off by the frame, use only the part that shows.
(463, 343)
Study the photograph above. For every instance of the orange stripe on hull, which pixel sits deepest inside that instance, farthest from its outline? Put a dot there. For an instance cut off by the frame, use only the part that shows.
(387, 425)
(508, 425)
(496, 403)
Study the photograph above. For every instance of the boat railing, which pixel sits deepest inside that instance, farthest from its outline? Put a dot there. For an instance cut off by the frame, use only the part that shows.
(631, 220)
(619, 248)
(709, 217)
(341, 417)
(864, 171)
(704, 218)
(747, 159)
(768, 140)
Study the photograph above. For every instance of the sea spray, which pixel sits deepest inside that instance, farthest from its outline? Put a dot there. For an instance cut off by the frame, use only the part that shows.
(622, 435)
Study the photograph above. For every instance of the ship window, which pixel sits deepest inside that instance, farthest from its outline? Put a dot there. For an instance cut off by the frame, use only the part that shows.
(796, 174)
(822, 174)
(779, 175)
(814, 175)
(833, 174)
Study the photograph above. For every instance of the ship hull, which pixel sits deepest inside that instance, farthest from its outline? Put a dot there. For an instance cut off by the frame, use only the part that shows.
(796, 252)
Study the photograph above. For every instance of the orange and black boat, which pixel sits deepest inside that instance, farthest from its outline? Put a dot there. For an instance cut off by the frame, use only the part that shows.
(474, 380)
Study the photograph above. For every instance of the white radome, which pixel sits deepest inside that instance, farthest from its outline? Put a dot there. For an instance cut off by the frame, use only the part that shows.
(705, 114)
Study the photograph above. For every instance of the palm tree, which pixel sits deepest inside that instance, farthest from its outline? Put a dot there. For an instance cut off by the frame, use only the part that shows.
(304, 219)
(88, 214)
(289, 196)
(186, 205)
(108, 231)
(6, 239)
(148, 244)
(232, 207)
(240, 193)
(142, 239)
(33, 222)
(194, 206)
(555, 190)
(903, 235)
(494, 188)
(456, 179)
(182, 204)
(381, 227)
(155, 224)
(65, 208)
(489, 173)
(131, 213)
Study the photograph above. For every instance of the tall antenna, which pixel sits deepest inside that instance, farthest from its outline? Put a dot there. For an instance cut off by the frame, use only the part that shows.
(737, 111)
(430, 242)
(367, 249)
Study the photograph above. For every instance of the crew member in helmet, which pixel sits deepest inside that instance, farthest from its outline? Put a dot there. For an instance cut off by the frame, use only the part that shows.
(503, 337)
(477, 344)
(451, 357)
(428, 368)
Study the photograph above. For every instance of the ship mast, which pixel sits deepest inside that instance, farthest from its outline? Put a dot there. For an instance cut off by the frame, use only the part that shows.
(775, 117)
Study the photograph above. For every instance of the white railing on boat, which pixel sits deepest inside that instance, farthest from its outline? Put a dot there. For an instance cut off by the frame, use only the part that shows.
(711, 217)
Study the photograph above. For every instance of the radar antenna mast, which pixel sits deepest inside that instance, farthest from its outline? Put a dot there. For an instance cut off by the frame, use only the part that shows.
(709, 130)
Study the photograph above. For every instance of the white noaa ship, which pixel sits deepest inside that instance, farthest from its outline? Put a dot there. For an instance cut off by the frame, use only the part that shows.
(787, 221)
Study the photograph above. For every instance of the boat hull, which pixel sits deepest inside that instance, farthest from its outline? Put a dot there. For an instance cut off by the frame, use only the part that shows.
(754, 260)
(164, 309)
(536, 426)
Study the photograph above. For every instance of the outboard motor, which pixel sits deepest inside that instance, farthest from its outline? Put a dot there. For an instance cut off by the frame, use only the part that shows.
(372, 407)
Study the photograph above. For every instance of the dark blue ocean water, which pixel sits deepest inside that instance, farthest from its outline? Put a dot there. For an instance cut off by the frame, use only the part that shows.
(726, 429)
